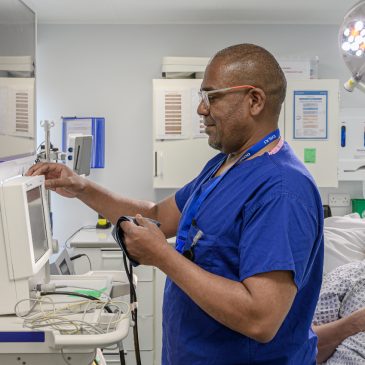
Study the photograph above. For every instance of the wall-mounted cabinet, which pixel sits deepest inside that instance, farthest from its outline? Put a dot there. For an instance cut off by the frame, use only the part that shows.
(311, 126)
(309, 122)
(180, 144)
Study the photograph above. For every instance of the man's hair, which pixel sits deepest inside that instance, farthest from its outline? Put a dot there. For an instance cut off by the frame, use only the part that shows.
(254, 65)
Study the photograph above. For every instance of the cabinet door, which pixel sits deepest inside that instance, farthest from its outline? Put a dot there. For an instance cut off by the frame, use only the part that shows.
(178, 162)
(180, 147)
(312, 126)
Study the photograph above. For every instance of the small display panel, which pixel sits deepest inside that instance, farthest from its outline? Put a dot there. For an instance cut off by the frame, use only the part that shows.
(37, 222)
(64, 268)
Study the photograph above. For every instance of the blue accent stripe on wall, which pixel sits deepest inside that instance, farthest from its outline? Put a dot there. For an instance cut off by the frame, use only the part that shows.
(22, 337)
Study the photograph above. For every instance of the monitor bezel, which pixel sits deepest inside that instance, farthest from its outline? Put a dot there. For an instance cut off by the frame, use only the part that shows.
(15, 213)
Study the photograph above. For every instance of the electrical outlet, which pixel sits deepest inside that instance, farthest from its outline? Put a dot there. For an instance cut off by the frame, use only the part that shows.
(339, 200)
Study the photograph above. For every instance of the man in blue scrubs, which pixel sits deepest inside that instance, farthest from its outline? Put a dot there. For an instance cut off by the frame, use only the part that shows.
(244, 277)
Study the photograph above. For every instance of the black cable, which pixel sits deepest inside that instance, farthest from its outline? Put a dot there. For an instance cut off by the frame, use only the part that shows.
(122, 357)
(133, 295)
(39, 146)
(134, 311)
(80, 255)
(118, 236)
(90, 297)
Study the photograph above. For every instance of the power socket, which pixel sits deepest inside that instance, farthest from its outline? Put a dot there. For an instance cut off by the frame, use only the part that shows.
(339, 200)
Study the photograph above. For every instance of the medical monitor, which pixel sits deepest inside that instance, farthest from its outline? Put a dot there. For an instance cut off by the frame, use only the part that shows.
(25, 237)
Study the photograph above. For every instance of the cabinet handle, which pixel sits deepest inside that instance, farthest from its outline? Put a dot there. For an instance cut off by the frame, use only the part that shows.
(117, 255)
(155, 164)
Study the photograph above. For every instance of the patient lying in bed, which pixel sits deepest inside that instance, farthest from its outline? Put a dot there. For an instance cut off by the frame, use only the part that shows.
(339, 320)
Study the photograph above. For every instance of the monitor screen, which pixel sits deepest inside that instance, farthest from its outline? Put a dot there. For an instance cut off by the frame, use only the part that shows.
(37, 222)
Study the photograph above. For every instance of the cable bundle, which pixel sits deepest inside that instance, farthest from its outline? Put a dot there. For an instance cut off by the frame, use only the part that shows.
(59, 316)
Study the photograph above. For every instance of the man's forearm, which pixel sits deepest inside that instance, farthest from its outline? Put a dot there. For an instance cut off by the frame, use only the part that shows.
(111, 205)
(199, 285)
(227, 301)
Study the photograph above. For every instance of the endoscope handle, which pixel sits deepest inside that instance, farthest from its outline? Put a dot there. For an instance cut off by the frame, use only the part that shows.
(118, 234)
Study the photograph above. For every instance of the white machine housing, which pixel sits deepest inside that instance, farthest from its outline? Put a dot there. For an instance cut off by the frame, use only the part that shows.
(184, 67)
(79, 152)
(25, 239)
(17, 64)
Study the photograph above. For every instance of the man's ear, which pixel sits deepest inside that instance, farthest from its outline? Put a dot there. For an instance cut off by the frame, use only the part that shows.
(257, 101)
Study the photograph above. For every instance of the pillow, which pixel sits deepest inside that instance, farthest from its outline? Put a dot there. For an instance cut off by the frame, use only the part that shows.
(344, 240)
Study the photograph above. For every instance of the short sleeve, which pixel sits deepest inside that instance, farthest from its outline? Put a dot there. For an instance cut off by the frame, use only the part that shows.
(280, 233)
(183, 194)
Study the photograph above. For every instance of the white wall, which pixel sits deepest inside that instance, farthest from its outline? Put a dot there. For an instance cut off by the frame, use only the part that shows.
(107, 71)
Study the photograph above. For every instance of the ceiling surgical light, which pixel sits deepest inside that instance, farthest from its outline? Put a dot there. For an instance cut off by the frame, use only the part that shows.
(359, 25)
(352, 45)
(346, 46)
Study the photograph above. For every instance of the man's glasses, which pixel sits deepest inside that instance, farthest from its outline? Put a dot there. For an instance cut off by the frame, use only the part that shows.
(204, 95)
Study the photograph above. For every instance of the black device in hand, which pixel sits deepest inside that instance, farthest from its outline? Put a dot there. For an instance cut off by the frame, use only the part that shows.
(118, 234)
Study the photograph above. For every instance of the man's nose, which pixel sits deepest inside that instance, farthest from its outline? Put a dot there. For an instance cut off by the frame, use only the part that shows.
(202, 109)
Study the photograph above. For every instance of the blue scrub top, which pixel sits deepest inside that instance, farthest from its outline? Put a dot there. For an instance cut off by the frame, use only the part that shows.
(265, 215)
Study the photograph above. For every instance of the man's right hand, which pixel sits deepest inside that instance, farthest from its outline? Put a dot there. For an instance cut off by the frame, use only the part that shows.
(59, 178)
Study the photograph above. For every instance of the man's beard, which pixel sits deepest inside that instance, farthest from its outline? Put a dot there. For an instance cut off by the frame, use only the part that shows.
(215, 145)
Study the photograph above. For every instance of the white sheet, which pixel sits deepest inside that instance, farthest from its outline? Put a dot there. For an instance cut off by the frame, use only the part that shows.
(344, 240)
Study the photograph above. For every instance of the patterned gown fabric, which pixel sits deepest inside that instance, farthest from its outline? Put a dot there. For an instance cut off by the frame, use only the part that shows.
(342, 293)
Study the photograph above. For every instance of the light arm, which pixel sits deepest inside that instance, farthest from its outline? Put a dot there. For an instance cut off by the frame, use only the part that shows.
(64, 181)
(112, 206)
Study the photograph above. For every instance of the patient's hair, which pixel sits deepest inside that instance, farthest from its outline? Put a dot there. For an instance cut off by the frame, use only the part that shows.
(254, 65)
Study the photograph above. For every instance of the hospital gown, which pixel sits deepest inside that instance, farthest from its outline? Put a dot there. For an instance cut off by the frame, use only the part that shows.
(342, 293)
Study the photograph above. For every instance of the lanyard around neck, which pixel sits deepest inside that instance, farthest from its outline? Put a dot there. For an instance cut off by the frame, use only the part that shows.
(200, 194)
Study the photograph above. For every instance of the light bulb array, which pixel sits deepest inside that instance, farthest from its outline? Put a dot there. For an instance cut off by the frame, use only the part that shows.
(353, 38)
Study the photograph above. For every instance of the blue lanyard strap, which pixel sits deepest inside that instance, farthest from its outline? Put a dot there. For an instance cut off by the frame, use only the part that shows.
(260, 145)
(200, 194)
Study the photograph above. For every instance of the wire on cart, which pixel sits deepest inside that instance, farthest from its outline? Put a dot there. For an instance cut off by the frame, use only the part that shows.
(77, 231)
(80, 255)
(101, 292)
(134, 310)
(60, 319)
(90, 297)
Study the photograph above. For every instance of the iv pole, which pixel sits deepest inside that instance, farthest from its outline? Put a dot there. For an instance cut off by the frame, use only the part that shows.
(47, 125)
